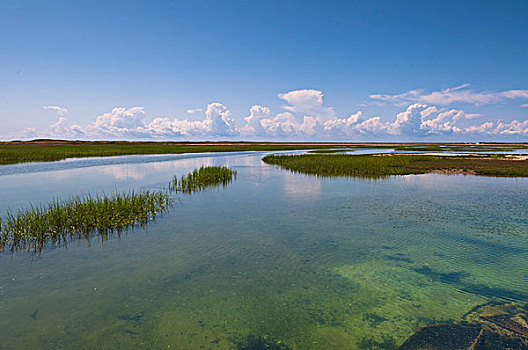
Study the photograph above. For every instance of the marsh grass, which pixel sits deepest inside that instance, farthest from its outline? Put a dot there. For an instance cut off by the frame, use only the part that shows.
(78, 217)
(199, 179)
(463, 148)
(85, 216)
(326, 151)
(11, 153)
(376, 166)
(54, 150)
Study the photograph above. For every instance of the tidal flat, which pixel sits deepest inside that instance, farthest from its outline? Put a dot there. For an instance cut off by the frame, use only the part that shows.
(276, 258)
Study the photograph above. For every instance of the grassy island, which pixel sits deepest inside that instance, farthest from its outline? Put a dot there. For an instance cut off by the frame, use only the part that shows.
(84, 216)
(199, 179)
(399, 164)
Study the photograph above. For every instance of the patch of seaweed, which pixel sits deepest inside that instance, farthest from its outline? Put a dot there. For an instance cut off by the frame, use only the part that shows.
(473, 288)
(399, 257)
(253, 342)
(490, 292)
(374, 319)
(369, 343)
(134, 319)
(444, 277)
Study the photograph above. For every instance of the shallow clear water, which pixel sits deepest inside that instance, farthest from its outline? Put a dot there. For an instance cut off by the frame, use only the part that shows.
(313, 263)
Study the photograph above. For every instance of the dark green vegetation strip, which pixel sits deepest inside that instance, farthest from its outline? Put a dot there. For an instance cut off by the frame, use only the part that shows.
(463, 148)
(84, 216)
(386, 165)
(326, 151)
(11, 153)
(53, 150)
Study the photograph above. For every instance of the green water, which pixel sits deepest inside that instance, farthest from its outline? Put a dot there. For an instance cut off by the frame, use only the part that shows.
(299, 261)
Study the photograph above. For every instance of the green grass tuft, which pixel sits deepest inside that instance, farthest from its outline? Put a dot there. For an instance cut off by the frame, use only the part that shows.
(84, 216)
(199, 179)
(81, 216)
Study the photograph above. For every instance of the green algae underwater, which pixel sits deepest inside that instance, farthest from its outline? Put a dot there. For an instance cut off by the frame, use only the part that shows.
(275, 260)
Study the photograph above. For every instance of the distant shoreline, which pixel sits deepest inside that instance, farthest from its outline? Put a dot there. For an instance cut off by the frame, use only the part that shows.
(48, 150)
(236, 142)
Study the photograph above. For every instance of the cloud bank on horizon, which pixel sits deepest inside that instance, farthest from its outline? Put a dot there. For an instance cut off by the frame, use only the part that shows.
(305, 117)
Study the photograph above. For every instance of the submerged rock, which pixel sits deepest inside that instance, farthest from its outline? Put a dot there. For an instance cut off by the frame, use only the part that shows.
(443, 336)
(486, 327)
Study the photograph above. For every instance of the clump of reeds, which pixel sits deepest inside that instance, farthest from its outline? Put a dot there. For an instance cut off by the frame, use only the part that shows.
(199, 179)
(61, 221)
(80, 216)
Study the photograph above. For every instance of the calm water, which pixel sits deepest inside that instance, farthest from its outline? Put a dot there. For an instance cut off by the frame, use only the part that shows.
(313, 263)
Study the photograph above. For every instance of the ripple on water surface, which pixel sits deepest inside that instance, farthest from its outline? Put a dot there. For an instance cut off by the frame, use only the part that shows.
(275, 259)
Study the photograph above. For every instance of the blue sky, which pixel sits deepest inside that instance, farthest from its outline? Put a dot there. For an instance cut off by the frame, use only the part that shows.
(299, 70)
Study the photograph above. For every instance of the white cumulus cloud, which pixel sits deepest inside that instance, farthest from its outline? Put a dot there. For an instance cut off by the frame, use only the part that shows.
(121, 122)
(132, 122)
(253, 126)
(307, 102)
(459, 94)
(65, 129)
(305, 117)
(417, 120)
(60, 111)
